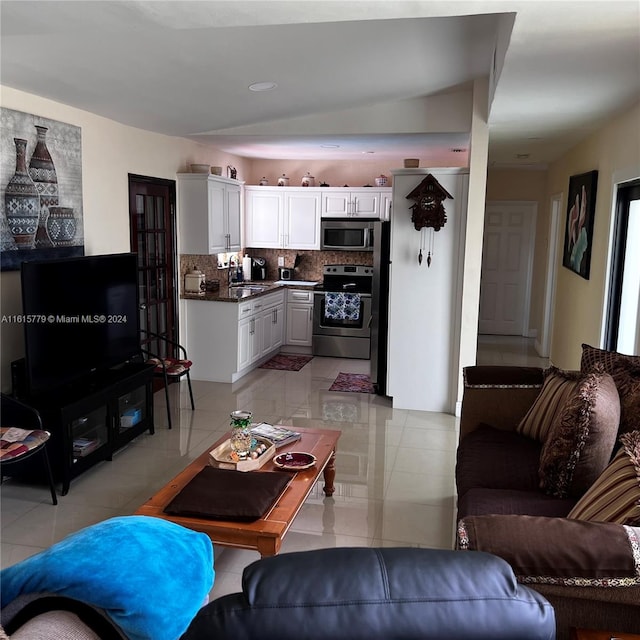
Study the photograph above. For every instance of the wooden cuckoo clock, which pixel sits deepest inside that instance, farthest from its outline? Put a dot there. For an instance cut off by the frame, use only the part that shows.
(427, 213)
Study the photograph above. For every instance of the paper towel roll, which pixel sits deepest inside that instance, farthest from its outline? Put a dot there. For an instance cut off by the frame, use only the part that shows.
(246, 267)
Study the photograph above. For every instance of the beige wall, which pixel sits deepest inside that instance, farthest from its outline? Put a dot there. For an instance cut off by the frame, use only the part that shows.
(613, 151)
(110, 151)
(526, 185)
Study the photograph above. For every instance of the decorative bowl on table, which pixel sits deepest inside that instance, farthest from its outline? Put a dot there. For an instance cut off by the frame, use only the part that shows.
(294, 460)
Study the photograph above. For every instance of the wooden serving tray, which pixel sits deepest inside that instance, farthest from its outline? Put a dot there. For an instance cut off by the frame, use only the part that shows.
(220, 457)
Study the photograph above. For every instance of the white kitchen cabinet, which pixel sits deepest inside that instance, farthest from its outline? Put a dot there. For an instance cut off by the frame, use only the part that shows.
(386, 202)
(272, 326)
(348, 203)
(282, 218)
(228, 340)
(245, 342)
(209, 213)
(301, 222)
(260, 330)
(299, 318)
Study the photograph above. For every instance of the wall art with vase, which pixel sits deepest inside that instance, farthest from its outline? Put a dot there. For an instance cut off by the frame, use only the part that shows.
(41, 189)
(578, 236)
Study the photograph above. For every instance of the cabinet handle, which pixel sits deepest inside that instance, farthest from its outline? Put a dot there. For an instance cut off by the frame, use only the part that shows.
(252, 326)
(310, 314)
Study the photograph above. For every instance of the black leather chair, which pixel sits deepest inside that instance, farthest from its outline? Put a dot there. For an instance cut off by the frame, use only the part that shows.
(19, 415)
(161, 351)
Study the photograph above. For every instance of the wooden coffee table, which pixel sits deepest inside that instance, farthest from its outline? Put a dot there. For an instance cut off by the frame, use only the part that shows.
(264, 535)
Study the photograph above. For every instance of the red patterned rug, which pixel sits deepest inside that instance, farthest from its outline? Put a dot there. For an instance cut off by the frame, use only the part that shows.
(285, 362)
(356, 382)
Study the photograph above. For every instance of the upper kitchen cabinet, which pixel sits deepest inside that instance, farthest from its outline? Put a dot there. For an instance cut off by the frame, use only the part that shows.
(210, 213)
(348, 203)
(282, 218)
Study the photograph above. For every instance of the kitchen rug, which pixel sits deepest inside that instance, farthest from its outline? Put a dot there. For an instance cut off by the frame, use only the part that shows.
(356, 382)
(285, 362)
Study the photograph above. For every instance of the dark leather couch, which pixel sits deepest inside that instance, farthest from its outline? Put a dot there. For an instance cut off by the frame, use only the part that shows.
(387, 593)
(341, 594)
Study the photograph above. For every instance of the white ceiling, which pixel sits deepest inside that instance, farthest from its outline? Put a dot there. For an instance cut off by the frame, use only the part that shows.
(183, 67)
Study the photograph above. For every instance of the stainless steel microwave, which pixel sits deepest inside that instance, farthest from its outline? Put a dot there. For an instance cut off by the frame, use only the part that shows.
(347, 235)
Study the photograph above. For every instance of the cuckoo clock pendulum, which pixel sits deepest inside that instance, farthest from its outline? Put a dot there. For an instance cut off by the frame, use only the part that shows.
(428, 214)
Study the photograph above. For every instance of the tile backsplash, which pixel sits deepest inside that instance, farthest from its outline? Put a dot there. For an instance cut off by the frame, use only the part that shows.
(310, 267)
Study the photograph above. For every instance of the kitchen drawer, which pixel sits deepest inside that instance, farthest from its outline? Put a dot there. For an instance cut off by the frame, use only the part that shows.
(245, 309)
(298, 295)
(271, 300)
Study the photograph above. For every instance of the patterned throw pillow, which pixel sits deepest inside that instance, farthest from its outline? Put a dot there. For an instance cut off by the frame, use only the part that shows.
(558, 387)
(625, 371)
(615, 495)
(581, 439)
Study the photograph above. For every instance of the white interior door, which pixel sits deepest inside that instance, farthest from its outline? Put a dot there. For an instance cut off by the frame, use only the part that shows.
(507, 257)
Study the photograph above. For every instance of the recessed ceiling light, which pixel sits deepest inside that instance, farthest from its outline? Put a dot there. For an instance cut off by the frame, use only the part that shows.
(262, 86)
(523, 156)
(329, 146)
(371, 152)
(457, 150)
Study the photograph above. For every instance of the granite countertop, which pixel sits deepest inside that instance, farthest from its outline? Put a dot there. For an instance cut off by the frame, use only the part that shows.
(245, 290)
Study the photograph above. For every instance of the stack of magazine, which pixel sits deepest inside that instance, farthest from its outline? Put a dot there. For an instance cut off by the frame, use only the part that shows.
(278, 435)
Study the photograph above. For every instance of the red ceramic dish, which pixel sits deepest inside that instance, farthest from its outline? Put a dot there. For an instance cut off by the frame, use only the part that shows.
(294, 460)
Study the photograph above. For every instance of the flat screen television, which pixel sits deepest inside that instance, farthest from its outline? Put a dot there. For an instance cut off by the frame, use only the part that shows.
(80, 318)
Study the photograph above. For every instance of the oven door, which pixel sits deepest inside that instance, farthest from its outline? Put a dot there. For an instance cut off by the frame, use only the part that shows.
(330, 318)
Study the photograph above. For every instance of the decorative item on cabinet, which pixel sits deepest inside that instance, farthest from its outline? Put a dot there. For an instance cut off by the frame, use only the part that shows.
(264, 182)
(232, 172)
(283, 181)
(381, 180)
(411, 163)
(428, 211)
(216, 171)
(194, 281)
(324, 184)
(308, 180)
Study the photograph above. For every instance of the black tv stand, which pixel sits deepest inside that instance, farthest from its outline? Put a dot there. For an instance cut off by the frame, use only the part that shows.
(91, 420)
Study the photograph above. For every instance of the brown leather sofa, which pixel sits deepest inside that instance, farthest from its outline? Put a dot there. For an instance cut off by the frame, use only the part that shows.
(535, 497)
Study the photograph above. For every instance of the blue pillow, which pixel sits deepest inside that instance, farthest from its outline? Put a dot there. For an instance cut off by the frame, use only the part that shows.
(149, 575)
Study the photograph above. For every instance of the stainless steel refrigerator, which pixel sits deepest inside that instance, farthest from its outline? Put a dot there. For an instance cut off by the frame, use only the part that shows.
(380, 305)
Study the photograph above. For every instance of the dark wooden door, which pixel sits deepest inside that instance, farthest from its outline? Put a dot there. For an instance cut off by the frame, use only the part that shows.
(153, 238)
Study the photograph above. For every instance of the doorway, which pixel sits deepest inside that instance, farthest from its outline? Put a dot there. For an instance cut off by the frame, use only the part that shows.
(153, 237)
(622, 328)
(507, 262)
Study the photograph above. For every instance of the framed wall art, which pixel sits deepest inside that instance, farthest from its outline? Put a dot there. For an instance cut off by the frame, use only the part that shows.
(40, 189)
(578, 238)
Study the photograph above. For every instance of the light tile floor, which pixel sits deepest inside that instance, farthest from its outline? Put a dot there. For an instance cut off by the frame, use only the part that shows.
(394, 481)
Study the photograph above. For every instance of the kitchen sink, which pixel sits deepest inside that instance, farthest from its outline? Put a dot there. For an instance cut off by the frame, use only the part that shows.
(244, 291)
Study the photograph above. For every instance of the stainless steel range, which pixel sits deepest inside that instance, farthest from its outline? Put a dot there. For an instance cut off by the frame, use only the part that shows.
(342, 312)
